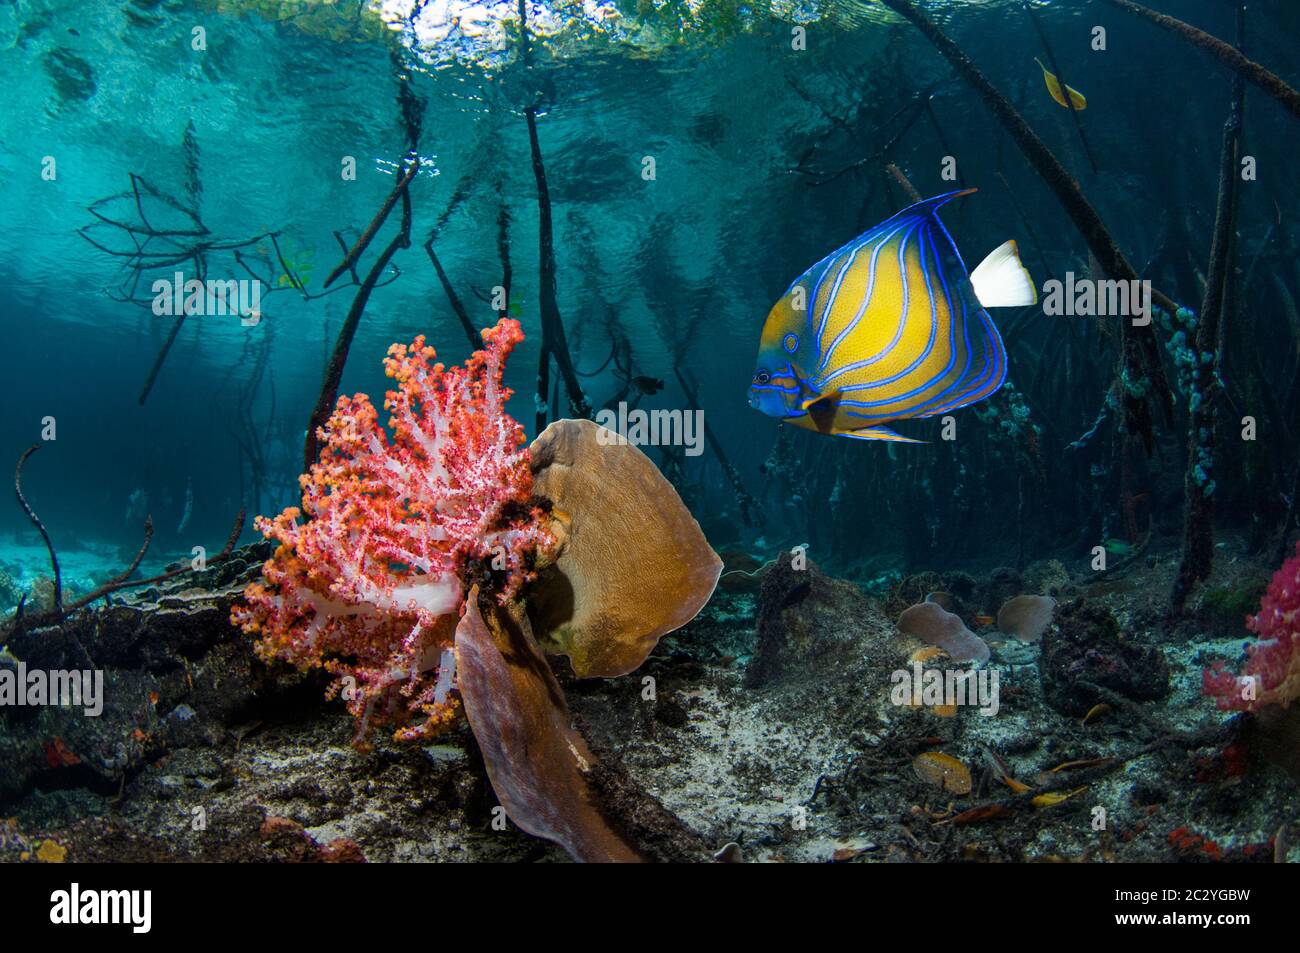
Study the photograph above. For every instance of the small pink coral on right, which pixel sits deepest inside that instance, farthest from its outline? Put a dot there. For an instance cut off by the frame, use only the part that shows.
(1273, 662)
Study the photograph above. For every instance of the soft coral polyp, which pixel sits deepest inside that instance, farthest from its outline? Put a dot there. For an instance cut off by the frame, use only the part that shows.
(1273, 661)
(370, 584)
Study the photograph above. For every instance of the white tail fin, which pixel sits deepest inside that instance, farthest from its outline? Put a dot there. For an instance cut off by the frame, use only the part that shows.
(1001, 281)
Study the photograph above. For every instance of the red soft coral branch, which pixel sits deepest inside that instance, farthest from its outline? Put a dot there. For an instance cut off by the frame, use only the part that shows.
(370, 584)
(1273, 661)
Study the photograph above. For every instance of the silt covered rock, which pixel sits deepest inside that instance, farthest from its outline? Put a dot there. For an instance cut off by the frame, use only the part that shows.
(1087, 649)
(807, 621)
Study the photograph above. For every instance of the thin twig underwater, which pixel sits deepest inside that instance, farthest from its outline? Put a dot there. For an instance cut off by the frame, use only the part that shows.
(151, 249)
(59, 609)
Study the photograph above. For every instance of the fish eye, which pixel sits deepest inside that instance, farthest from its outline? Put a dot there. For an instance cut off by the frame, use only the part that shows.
(790, 342)
(762, 377)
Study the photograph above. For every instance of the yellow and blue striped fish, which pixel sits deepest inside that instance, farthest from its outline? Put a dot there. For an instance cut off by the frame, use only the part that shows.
(886, 328)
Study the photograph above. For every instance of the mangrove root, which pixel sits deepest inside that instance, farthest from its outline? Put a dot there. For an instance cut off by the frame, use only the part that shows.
(1142, 367)
(751, 513)
(1198, 483)
(1225, 53)
(334, 372)
(362, 243)
(31, 515)
(122, 580)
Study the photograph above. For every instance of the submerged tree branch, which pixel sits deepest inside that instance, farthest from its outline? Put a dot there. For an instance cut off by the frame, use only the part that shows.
(904, 182)
(1225, 53)
(1060, 76)
(334, 372)
(909, 113)
(1198, 482)
(376, 223)
(122, 580)
(751, 512)
(457, 307)
(555, 343)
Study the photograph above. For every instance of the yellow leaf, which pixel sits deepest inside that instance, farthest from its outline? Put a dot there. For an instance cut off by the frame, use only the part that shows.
(943, 770)
(51, 852)
(1085, 763)
(1096, 711)
(1053, 798)
(1054, 87)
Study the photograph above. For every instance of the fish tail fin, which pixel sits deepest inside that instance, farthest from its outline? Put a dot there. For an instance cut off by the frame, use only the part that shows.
(1002, 281)
(877, 433)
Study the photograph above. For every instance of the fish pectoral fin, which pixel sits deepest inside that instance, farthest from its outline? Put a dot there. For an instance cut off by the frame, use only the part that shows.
(809, 402)
(877, 433)
(809, 395)
(1002, 281)
(821, 409)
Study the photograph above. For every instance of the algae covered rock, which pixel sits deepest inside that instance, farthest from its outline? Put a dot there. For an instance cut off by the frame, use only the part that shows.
(1002, 584)
(1087, 649)
(174, 673)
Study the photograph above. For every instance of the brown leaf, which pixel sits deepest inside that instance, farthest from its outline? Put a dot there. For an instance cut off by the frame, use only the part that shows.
(977, 815)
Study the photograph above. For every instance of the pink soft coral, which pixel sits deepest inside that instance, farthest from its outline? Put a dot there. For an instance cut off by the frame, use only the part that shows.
(371, 585)
(1273, 662)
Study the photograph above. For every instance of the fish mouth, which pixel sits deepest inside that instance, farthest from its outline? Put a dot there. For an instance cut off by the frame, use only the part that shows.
(772, 408)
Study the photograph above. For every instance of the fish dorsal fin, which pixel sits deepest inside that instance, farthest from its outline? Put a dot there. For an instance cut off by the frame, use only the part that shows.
(1002, 281)
(928, 210)
(878, 433)
(928, 207)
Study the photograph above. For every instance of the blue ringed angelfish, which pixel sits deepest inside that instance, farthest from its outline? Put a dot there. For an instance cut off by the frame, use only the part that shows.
(889, 327)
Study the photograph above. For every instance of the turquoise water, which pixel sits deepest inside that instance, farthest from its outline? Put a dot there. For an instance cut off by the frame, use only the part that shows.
(250, 135)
